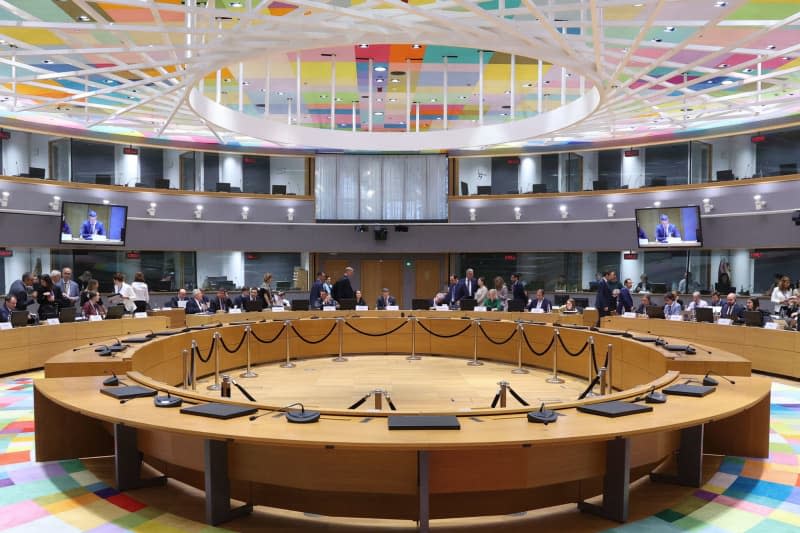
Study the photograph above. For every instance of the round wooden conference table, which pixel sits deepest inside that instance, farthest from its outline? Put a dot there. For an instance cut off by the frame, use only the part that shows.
(351, 464)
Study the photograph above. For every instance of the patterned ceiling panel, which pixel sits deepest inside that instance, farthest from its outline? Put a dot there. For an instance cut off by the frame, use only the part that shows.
(660, 67)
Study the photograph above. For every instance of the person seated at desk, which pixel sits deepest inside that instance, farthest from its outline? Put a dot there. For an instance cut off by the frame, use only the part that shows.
(716, 299)
(325, 300)
(65, 229)
(180, 297)
(671, 306)
(385, 299)
(643, 285)
(93, 306)
(571, 308)
(360, 298)
(730, 309)
(540, 302)
(643, 303)
(8, 307)
(696, 302)
(197, 304)
(665, 230)
(92, 226)
(243, 297)
(91, 286)
(493, 301)
(221, 302)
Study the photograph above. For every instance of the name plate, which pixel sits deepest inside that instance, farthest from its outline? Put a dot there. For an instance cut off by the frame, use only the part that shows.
(716, 309)
(724, 321)
(362, 308)
(392, 307)
(95, 318)
(442, 308)
(676, 318)
(329, 308)
(53, 322)
(536, 310)
(182, 304)
(629, 314)
(140, 315)
(480, 308)
(278, 309)
(235, 311)
(5, 325)
(771, 325)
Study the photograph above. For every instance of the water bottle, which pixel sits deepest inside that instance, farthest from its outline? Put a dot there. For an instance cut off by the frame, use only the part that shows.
(225, 388)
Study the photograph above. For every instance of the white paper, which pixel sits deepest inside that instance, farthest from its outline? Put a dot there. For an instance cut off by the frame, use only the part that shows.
(392, 307)
(53, 322)
(235, 311)
(724, 321)
(716, 309)
(279, 309)
(629, 314)
(329, 308)
(362, 308)
(770, 325)
(480, 308)
(182, 304)
(537, 310)
(442, 308)
(5, 325)
(140, 315)
(676, 318)
(95, 318)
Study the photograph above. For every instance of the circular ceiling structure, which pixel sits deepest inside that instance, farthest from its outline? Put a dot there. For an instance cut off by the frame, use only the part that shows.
(523, 74)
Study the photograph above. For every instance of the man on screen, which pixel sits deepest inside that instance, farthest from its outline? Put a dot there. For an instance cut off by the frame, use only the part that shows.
(92, 226)
(665, 230)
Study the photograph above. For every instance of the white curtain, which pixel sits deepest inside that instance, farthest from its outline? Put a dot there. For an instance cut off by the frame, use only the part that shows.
(394, 177)
(325, 188)
(371, 192)
(347, 187)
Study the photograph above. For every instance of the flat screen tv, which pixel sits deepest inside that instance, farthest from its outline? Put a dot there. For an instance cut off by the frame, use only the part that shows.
(669, 227)
(93, 224)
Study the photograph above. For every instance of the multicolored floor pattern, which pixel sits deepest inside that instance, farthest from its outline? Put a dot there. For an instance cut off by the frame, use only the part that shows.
(745, 495)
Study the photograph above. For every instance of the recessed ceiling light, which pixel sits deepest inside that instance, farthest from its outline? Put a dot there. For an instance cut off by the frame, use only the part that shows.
(379, 100)
(709, 81)
(669, 29)
(657, 40)
(392, 99)
(748, 70)
(416, 46)
(638, 5)
(547, 82)
(378, 80)
(723, 65)
(508, 92)
(720, 4)
(83, 18)
(378, 113)
(395, 80)
(363, 45)
(236, 4)
(323, 96)
(380, 69)
(47, 61)
(438, 118)
(786, 58)
(771, 47)
(462, 97)
(433, 100)
(280, 93)
(245, 83)
(338, 99)
(504, 114)
(529, 84)
(727, 82)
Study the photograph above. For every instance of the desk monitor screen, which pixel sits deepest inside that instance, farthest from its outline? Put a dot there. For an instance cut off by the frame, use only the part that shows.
(753, 318)
(484, 189)
(223, 187)
(420, 304)
(162, 184)
(347, 304)
(19, 319)
(279, 189)
(724, 175)
(704, 314)
(36, 172)
(515, 306)
(102, 179)
(93, 224)
(467, 304)
(669, 227)
(655, 311)
(300, 305)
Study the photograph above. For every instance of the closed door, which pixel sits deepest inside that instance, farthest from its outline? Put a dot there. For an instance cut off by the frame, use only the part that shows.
(379, 273)
(429, 280)
(335, 269)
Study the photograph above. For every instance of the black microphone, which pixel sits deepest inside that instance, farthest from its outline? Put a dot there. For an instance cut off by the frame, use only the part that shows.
(112, 381)
(697, 348)
(242, 390)
(711, 382)
(303, 417)
(82, 347)
(542, 416)
(167, 401)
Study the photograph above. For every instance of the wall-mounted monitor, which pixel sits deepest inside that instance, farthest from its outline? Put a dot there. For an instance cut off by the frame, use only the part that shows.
(94, 224)
(669, 227)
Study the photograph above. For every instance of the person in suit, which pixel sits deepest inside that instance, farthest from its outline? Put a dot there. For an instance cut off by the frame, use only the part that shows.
(671, 306)
(467, 287)
(518, 288)
(325, 300)
(180, 297)
(716, 299)
(265, 291)
(643, 285)
(643, 303)
(197, 304)
(47, 298)
(641, 232)
(625, 300)
(65, 229)
(221, 302)
(317, 286)
(69, 287)
(450, 296)
(731, 309)
(19, 289)
(540, 302)
(9, 306)
(665, 230)
(385, 299)
(604, 293)
(92, 226)
(360, 298)
(343, 289)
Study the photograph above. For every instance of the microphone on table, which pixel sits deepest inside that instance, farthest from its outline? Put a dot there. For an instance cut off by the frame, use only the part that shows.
(711, 382)
(112, 381)
(693, 347)
(303, 417)
(543, 416)
(82, 347)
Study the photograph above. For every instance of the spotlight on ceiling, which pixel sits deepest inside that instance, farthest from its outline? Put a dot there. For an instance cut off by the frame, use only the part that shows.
(564, 212)
(760, 203)
(472, 214)
(152, 209)
(198, 211)
(707, 205)
(610, 211)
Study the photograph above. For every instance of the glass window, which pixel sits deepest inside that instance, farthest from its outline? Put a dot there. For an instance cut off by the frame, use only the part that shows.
(282, 266)
(609, 169)
(666, 165)
(187, 171)
(665, 268)
(151, 166)
(550, 271)
(210, 172)
(550, 172)
(699, 162)
(771, 264)
(90, 160)
(607, 261)
(573, 171)
(777, 154)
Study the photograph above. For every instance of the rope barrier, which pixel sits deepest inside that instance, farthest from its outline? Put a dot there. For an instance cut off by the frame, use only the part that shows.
(573, 354)
(374, 334)
(323, 339)
(207, 358)
(273, 339)
(444, 336)
(241, 341)
(531, 348)
(498, 343)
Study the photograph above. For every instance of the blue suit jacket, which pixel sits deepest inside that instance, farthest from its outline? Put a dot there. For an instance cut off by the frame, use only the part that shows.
(518, 291)
(546, 305)
(603, 301)
(5, 313)
(313, 295)
(86, 229)
(452, 292)
(461, 288)
(379, 303)
(625, 303)
(671, 231)
(192, 307)
(738, 310)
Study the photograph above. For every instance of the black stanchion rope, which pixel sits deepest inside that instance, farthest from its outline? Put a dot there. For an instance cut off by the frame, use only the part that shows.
(573, 354)
(323, 339)
(241, 341)
(349, 325)
(531, 348)
(444, 336)
(499, 343)
(273, 339)
(207, 358)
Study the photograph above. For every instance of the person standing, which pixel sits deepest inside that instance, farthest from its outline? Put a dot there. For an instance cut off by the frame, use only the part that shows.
(343, 289)
(518, 289)
(20, 289)
(625, 301)
(483, 290)
(69, 287)
(604, 293)
(141, 291)
(125, 292)
(317, 286)
(467, 287)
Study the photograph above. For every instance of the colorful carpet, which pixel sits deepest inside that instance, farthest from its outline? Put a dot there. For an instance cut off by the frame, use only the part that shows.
(749, 495)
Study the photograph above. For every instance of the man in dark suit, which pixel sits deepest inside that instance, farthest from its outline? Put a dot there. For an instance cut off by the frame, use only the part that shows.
(197, 304)
(603, 301)
(540, 302)
(313, 295)
(518, 289)
(343, 289)
(643, 303)
(324, 300)
(69, 287)
(242, 298)
(665, 230)
(467, 286)
(19, 289)
(625, 300)
(181, 297)
(221, 302)
(385, 299)
(8, 307)
(450, 297)
(730, 309)
(92, 226)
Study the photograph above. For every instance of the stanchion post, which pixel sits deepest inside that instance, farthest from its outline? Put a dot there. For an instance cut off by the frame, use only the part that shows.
(193, 366)
(186, 365)
(477, 325)
(609, 375)
(519, 369)
(288, 363)
(554, 378)
(340, 324)
(217, 342)
(591, 368)
(413, 356)
(249, 373)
